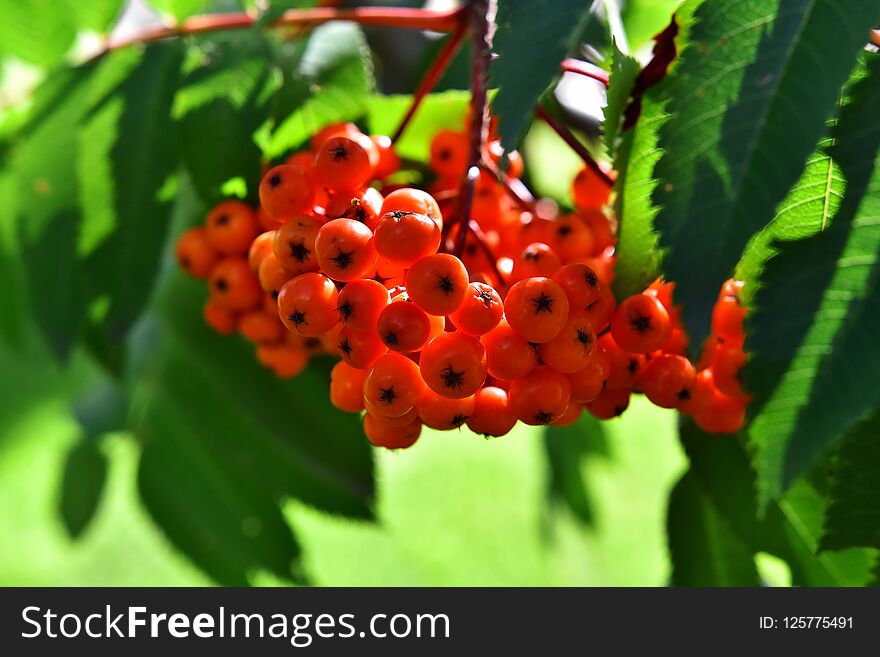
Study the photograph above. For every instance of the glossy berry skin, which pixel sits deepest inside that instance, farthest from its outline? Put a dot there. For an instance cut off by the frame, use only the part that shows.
(570, 351)
(454, 365)
(609, 404)
(449, 154)
(403, 237)
(345, 249)
(572, 414)
(272, 275)
(541, 397)
(409, 199)
(259, 249)
(220, 319)
(333, 130)
(382, 435)
(480, 312)
(234, 286)
(439, 412)
(347, 387)
(601, 311)
(437, 283)
(727, 363)
(194, 253)
(359, 348)
(537, 309)
(405, 327)
(307, 304)
(711, 409)
(625, 366)
(600, 229)
(393, 384)
(590, 191)
(294, 244)
(508, 355)
(231, 227)
(287, 190)
(537, 259)
(727, 320)
(284, 360)
(492, 416)
(668, 380)
(581, 285)
(360, 304)
(342, 164)
(589, 381)
(641, 324)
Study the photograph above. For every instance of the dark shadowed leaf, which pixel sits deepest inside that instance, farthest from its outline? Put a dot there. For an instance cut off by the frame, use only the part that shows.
(83, 479)
(747, 110)
(531, 40)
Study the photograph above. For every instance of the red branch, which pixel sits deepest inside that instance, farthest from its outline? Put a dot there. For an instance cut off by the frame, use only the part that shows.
(400, 17)
(432, 76)
(573, 143)
(586, 69)
(482, 28)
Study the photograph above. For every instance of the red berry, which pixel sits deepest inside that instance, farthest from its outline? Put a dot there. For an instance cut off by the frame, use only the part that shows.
(454, 365)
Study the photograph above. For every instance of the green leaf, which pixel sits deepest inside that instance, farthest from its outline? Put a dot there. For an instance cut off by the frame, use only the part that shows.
(437, 112)
(531, 40)
(225, 94)
(747, 109)
(82, 484)
(790, 528)
(38, 31)
(853, 517)
(624, 70)
(247, 440)
(181, 9)
(97, 15)
(813, 356)
(705, 550)
(332, 81)
(567, 448)
(133, 202)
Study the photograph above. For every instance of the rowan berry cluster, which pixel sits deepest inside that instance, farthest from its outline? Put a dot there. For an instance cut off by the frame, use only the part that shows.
(520, 326)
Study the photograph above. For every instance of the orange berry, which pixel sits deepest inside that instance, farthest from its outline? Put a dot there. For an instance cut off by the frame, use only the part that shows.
(536, 308)
(294, 244)
(641, 324)
(572, 414)
(570, 351)
(259, 249)
(572, 238)
(403, 237)
(194, 252)
(359, 349)
(449, 154)
(405, 327)
(492, 415)
(393, 384)
(408, 199)
(231, 227)
(389, 162)
(287, 190)
(454, 365)
(727, 319)
(727, 363)
(537, 259)
(360, 304)
(220, 319)
(439, 412)
(437, 283)
(261, 327)
(590, 191)
(668, 380)
(600, 230)
(307, 304)
(342, 164)
(362, 206)
(234, 286)
(272, 275)
(480, 312)
(333, 130)
(382, 435)
(590, 380)
(285, 360)
(347, 387)
(508, 355)
(608, 404)
(540, 397)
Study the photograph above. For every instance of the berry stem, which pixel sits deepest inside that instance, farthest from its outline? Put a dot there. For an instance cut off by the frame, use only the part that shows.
(573, 142)
(513, 186)
(399, 17)
(432, 75)
(482, 28)
(585, 68)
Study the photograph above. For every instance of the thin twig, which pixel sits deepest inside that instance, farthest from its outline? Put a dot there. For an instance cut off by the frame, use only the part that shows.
(432, 76)
(585, 68)
(480, 238)
(482, 28)
(574, 144)
(513, 186)
(400, 17)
